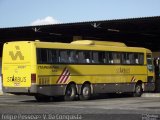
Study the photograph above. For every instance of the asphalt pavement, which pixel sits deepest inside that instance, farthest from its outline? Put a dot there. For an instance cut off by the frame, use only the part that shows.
(115, 107)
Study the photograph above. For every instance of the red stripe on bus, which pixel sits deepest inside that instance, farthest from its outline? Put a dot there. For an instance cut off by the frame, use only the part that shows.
(133, 79)
(60, 77)
(66, 78)
(64, 75)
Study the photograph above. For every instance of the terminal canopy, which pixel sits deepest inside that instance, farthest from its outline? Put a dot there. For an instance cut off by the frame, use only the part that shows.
(143, 32)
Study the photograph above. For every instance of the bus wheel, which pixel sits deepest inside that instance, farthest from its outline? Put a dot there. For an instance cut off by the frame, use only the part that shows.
(85, 92)
(138, 90)
(70, 93)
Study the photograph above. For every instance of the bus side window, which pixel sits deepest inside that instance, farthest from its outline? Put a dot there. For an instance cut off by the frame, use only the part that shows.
(49, 56)
(64, 58)
(110, 58)
(101, 57)
(125, 58)
(131, 58)
(116, 58)
(41, 55)
(87, 55)
(80, 56)
(106, 59)
(141, 58)
(95, 57)
(136, 59)
(52, 56)
(73, 58)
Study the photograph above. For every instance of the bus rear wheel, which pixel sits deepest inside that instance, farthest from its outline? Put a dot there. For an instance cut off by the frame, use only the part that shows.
(138, 90)
(70, 93)
(85, 92)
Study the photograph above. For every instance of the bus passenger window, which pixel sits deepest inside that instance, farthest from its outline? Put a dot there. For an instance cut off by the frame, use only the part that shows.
(131, 58)
(52, 56)
(128, 62)
(127, 58)
(80, 56)
(123, 58)
(116, 58)
(110, 58)
(141, 58)
(64, 58)
(101, 57)
(41, 56)
(136, 59)
(95, 57)
(73, 58)
(106, 58)
(87, 55)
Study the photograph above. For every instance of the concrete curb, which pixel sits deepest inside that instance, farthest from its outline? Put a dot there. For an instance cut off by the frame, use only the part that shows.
(150, 95)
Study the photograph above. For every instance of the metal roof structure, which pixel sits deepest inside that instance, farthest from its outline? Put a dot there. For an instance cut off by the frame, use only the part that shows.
(143, 32)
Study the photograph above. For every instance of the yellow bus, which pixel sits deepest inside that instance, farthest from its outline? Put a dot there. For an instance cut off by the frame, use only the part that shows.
(80, 68)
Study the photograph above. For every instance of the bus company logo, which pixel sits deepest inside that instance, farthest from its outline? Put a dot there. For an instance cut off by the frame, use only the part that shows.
(18, 53)
(64, 76)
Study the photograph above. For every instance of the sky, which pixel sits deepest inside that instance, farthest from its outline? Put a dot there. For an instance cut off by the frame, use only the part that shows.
(15, 13)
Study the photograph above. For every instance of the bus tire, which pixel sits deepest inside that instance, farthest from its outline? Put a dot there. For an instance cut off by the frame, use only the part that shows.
(70, 93)
(138, 90)
(85, 92)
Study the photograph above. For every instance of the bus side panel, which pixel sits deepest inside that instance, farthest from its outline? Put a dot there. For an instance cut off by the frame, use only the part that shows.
(104, 78)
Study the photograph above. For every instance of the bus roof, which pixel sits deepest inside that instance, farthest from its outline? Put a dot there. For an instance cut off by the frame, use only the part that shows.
(104, 43)
(87, 45)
